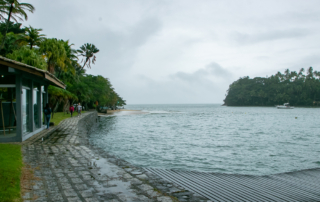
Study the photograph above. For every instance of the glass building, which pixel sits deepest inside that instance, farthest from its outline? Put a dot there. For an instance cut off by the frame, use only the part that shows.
(23, 95)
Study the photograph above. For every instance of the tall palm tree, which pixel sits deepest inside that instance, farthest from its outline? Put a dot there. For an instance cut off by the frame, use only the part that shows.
(70, 59)
(3, 10)
(15, 10)
(33, 37)
(88, 50)
(54, 52)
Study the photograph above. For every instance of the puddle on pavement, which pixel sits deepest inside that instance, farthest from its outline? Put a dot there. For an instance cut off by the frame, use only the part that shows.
(114, 183)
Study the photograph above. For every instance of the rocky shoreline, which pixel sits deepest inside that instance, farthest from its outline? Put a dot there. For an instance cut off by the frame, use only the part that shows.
(68, 168)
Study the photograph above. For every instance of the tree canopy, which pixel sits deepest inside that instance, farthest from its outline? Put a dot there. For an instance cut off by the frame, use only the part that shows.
(297, 88)
(15, 11)
(30, 46)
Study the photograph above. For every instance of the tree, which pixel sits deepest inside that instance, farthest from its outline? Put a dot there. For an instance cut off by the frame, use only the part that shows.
(54, 52)
(88, 51)
(12, 43)
(29, 57)
(293, 87)
(70, 60)
(15, 10)
(13, 27)
(33, 37)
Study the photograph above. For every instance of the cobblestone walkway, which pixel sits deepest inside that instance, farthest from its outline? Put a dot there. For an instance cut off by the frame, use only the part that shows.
(69, 170)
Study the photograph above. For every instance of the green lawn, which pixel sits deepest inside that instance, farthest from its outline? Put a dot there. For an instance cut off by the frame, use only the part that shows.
(11, 164)
(10, 172)
(59, 116)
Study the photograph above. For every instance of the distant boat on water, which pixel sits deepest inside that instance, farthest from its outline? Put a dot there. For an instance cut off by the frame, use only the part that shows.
(284, 106)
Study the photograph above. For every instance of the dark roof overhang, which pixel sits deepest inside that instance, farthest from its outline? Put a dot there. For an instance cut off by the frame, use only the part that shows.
(50, 78)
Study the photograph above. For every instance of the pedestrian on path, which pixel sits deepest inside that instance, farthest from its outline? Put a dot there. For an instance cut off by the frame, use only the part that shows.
(71, 109)
(79, 108)
(47, 112)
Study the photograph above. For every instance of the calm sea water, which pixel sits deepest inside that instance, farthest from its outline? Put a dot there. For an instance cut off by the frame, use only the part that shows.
(213, 138)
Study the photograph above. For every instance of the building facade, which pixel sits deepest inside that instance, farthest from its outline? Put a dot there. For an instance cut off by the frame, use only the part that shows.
(23, 95)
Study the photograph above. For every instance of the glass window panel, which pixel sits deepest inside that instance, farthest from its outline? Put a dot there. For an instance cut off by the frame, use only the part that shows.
(7, 112)
(35, 108)
(25, 110)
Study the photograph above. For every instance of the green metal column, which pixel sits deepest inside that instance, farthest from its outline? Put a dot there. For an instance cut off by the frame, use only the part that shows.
(31, 108)
(19, 107)
(45, 99)
(39, 106)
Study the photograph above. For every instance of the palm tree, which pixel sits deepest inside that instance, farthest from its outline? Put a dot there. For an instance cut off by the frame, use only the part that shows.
(88, 51)
(15, 10)
(3, 10)
(54, 52)
(70, 59)
(33, 37)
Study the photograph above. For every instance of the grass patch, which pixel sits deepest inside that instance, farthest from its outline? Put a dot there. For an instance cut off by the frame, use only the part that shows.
(10, 172)
(59, 116)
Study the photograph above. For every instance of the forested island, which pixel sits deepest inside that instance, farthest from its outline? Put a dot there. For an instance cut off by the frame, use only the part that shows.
(298, 88)
(28, 45)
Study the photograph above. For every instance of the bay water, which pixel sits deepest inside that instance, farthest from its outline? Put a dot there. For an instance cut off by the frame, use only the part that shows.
(214, 138)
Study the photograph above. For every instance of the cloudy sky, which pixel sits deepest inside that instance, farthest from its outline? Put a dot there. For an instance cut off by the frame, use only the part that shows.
(185, 51)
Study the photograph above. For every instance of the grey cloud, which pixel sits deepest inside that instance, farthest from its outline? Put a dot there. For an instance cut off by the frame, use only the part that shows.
(301, 17)
(305, 62)
(213, 69)
(169, 91)
(119, 48)
(128, 29)
(244, 39)
(218, 71)
(140, 33)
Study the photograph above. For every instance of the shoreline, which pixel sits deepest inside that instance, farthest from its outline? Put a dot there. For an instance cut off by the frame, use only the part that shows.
(69, 168)
(122, 112)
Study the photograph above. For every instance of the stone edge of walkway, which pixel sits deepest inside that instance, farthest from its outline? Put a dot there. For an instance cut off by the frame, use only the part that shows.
(152, 185)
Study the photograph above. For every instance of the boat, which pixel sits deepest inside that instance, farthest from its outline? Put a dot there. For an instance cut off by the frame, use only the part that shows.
(285, 106)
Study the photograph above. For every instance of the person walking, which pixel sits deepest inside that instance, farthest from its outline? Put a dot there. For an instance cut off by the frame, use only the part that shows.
(79, 108)
(71, 109)
(47, 112)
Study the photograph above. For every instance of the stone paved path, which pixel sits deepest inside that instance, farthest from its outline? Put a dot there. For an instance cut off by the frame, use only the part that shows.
(69, 170)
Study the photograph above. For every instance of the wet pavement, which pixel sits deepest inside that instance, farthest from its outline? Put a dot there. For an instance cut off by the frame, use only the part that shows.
(70, 169)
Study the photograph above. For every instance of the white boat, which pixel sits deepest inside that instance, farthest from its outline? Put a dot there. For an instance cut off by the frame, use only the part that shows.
(285, 106)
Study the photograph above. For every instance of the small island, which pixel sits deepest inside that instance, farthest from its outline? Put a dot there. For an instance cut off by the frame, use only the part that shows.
(298, 89)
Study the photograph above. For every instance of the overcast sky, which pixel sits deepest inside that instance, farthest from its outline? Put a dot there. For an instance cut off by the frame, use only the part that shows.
(172, 52)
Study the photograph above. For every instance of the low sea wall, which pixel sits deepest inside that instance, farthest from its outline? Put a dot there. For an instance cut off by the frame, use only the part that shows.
(88, 123)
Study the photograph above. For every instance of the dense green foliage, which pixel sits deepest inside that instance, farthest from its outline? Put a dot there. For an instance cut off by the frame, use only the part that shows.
(12, 27)
(28, 56)
(28, 45)
(33, 36)
(15, 11)
(10, 171)
(296, 88)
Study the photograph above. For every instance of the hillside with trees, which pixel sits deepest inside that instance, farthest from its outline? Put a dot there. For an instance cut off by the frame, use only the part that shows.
(298, 88)
(58, 56)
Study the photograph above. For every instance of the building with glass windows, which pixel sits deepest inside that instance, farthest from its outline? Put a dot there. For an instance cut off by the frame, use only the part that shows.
(23, 95)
